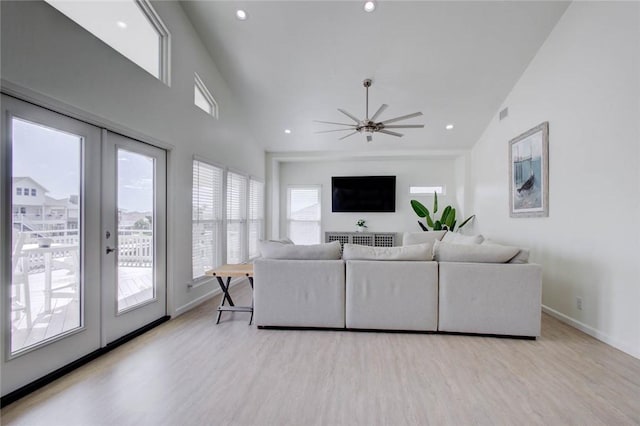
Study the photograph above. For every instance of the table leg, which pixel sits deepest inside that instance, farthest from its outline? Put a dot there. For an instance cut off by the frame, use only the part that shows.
(251, 282)
(225, 295)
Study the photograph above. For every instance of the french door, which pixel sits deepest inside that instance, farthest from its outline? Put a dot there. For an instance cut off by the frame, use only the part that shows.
(62, 295)
(134, 235)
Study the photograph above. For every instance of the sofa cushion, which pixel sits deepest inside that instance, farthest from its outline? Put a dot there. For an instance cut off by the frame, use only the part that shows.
(278, 250)
(412, 252)
(410, 238)
(520, 258)
(458, 238)
(474, 253)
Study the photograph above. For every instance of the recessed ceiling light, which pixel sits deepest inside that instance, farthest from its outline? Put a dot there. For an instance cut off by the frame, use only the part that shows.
(287, 131)
(369, 6)
(241, 14)
(449, 126)
(121, 24)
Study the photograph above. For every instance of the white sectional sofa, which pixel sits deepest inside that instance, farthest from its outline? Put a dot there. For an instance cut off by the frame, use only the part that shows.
(399, 288)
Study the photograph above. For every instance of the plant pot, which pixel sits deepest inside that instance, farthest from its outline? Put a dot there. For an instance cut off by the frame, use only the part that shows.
(360, 228)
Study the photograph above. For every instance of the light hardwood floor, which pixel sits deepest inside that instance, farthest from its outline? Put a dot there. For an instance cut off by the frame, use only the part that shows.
(190, 371)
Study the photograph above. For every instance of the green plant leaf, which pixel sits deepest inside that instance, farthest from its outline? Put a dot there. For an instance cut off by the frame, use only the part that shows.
(466, 221)
(445, 214)
(429, 221)
(437, 226)
(419, 208)
(435, 202)
(453, 226)
(451, 219)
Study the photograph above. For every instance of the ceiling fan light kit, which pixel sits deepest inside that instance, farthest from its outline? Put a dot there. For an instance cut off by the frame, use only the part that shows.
(369, 125)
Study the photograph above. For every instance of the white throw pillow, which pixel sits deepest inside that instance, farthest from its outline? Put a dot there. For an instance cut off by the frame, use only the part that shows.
(520, 258)
(458, 238)
(278, 250)
(409, 238)
(474, 253)
(413, 252)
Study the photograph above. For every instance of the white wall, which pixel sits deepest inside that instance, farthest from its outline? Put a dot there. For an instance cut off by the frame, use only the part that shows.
(45, 52)
(585, 81)
(420, 172)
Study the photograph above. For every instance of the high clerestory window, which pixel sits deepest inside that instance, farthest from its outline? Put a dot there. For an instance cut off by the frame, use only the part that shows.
(203, 98)
(131, 27)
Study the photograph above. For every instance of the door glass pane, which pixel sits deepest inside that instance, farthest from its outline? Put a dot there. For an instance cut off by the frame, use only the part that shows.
(135, 229)
(45, 234)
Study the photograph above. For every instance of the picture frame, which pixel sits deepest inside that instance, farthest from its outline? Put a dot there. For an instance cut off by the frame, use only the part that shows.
(529, 173)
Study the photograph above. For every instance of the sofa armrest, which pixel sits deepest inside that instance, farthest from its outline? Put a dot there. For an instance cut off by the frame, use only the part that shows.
(489, 298)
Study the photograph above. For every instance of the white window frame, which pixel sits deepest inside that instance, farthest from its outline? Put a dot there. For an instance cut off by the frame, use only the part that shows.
(250, 220)
(289, 220)
(244, 249)
(165, 40)
(213, 105)
(164, 37)
(221, 238)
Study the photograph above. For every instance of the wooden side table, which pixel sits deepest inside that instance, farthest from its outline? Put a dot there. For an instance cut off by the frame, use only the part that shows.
(228, 272)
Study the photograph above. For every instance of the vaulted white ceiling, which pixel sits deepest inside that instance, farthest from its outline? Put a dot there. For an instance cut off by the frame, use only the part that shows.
(294, 62)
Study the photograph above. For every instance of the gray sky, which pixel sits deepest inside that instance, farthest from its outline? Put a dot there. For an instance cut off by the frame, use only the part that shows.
(52, 158)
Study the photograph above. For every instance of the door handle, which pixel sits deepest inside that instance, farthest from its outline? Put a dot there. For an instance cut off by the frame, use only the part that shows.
(109, 249)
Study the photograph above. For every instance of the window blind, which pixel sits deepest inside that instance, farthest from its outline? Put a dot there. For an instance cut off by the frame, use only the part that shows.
(206, 218)
(256, 216)
(236, 217)
(303, 214)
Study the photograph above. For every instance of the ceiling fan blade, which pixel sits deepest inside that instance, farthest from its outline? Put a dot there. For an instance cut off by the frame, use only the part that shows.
(387, 132)
(335, 130)
(405, 126)
(349, 115)
(331, 122)
(378, 112)
(369, 138)
(404, 117)
(350, 134)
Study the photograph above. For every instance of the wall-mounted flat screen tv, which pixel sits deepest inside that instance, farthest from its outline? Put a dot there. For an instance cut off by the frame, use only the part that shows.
(363, 194)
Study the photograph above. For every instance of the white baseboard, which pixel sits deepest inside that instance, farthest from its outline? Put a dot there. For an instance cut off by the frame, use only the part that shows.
(603, 337)
(200, 300)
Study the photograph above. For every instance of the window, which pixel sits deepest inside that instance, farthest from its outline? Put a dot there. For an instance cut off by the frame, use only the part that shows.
(426, 190)
(203, 98)
(18, 191)
(303, 214)
(130, 27)
(256, 216)
(207, 216)
(33, 192)
(236, 217)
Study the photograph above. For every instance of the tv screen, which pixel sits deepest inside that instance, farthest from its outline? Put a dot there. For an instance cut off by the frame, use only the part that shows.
(363, 194)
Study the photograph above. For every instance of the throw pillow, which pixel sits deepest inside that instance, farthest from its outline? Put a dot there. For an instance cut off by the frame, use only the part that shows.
(277, 250)
(409, 238)
(415, 252)
(474, 253)
(458, 238)
(520, 258)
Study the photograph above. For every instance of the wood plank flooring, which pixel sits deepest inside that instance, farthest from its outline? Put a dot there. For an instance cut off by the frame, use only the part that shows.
(190, 371)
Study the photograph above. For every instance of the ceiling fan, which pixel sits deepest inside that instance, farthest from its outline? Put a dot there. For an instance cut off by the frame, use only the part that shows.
(369, 124)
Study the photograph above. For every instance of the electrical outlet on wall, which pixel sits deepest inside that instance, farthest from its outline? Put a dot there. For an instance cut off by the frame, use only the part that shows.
(579, 303)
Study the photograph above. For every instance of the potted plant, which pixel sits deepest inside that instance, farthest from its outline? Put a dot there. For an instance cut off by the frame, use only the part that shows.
(360, 225)
(447, 219)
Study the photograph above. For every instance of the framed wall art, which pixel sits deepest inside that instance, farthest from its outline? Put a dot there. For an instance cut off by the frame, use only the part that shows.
(529, 173)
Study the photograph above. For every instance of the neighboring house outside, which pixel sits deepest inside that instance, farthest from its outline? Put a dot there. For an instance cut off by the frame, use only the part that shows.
(34, 210)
